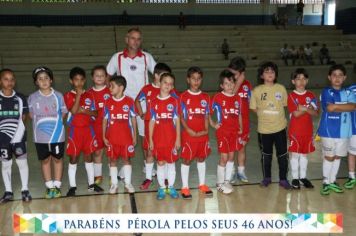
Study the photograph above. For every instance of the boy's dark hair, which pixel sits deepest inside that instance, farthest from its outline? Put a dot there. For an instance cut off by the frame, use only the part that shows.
(299, 71)
(164, 75)
(337, 67)
(161, 67)
(2, 71)
(263, 67)
(194, 69)
(119, 80)
(98, 67)
(225, 74)
(41, 69)
(76, 71)
(238, 63)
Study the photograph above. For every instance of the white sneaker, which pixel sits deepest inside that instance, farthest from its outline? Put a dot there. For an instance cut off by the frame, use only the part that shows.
(228, 185)
(223, 189)
(130, 188)
(113, 189)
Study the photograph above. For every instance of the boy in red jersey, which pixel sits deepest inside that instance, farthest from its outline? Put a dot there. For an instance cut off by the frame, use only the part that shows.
(164, 134)
(81, 135)
(228, 125)
(195, 110)
(242, 88)
(302, 105)
(146, 95)
(101, 93)
(120, 118)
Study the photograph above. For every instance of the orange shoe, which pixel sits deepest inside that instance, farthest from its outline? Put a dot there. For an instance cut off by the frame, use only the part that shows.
(205, 190)
(185, 192)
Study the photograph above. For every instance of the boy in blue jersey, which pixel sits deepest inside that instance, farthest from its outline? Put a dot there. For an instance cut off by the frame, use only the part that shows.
(47, 110)
(335, 126)
(13, 111)
(351, 182)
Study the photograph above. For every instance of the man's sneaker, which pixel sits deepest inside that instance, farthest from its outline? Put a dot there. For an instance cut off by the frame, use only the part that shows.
(98, 180)
(146, 184)
(49, 193)
(285, 184)
(56, 192)
(173, 192)
(71, 191)
(8, 196)
(161, 194)
(350, 183)
(222, 188)
(26, 196)
(295, 184)
(242, 177)
(95, 188)
(130, 188)
(325, 190)
(265, 182)
(228, 185)
(185, 192)
(113, 189)
(306, 183)
(205, 190)
(336, 187)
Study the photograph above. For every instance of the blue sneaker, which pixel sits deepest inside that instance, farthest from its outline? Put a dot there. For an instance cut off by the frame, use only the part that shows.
(173, 192)
(161, 194)
(242, 177)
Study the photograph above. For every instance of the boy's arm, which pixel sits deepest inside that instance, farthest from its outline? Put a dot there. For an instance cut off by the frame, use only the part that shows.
(150, 133)
(139, 108)
(177, 144)
(88, 112)
(105, 123)
(186, 127)
(134, 127)
(206, 125)
(75, 108)
(341, 107)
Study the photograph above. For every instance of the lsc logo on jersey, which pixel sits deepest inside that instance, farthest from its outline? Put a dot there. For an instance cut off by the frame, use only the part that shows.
(133, 67)
(106, 96)
(308, 100)
(131, 148)
(203, 103)
(125, 108)
(170, 107)
(87, 101)
(237, 104)
(245, 88)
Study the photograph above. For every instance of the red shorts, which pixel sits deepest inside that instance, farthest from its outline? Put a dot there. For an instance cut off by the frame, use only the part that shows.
(98, 129)
(123, 151)
(166, 154)
(301, 144)
(81, 139)
(228, 142)
(192, 150)
(145, 141)
(243, 138)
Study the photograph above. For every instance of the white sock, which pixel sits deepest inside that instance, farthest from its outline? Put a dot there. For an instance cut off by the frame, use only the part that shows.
(166, 171)
(241, 169)
(49, 184)
(57, 184)
(228, 170)
(121, 173)
(171, 170)
(201, 172)
(327, 165)
(160, 175)
(294, 165)
(351, 175)
(89, 166)
(113, 175)
(72, 170)
(23, 169)
(149, 169)
(127, 173)
(98, 169)
(6, 174)
(334, 170)
(303, 164)
(220, 177)
(184, 170)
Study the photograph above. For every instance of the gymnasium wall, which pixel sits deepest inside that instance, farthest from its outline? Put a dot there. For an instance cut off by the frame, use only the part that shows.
(345, 16)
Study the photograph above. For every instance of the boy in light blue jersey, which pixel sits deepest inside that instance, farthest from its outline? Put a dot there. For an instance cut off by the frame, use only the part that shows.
(335, 126)
(351, 182)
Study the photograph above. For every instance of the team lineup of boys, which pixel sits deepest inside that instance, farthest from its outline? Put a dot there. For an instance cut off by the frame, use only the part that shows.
(122, 103)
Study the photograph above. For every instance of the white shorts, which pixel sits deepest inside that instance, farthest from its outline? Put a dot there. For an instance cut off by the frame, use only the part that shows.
(334, 146)
(352, 145)
(140, 126)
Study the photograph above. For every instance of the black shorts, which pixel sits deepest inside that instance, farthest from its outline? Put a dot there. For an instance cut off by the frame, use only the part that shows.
(7, 150)
(44, 150)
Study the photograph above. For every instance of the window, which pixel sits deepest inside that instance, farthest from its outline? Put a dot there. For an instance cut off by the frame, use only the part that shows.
(296, 1)
(229, 1)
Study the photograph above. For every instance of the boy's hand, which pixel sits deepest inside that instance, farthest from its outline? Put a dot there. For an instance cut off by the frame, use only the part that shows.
(217, 126)
(79, 91)
(106, 142)
(240, 131)
(134, 140)
(191, 132)
(177, 144)
(151, 145)
(301, 108)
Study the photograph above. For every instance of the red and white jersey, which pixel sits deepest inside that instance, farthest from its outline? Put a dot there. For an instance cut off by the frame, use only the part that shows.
(227, 109)
(118, 113)
(245, 92)
(147, 93)
(87, 102)
(164, 112)
(302, 125)
(100, 96)
(135, 69)
(195, 108)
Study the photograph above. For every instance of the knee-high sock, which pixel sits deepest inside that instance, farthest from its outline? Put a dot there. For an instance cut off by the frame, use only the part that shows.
(128, 173)
(171, 171)
(98, 169)
(23, 169)
(184, 169)
(220, 175)
(149, 169)
(6, 174)
(72, 170)
(89, 166)
(201, 172)
(113, 175)
(334, 170)
(327, 165)
(303, 164)
(228, 170)
(294, 165)
(160, 175)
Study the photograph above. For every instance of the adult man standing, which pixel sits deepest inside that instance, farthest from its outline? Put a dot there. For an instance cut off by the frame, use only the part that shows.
(300, 9)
